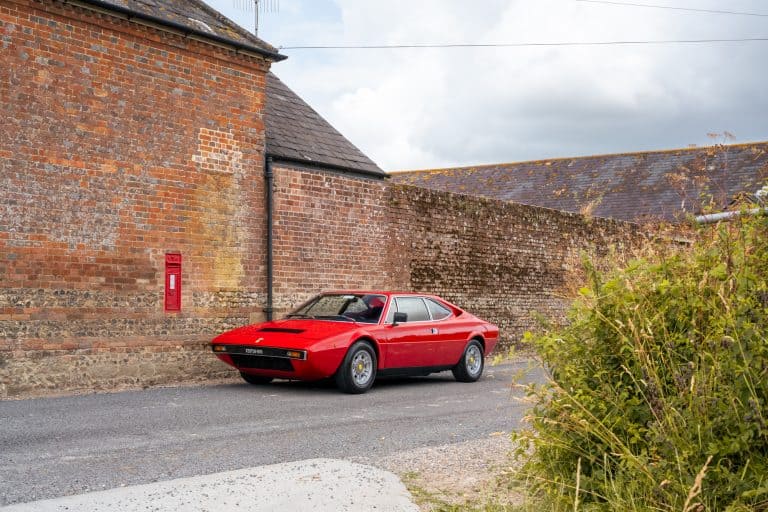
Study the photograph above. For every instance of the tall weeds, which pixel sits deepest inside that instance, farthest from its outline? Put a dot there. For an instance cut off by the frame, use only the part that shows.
(659, 384)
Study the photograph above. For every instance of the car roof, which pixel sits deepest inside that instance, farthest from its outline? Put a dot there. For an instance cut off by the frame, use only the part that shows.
(374, 292)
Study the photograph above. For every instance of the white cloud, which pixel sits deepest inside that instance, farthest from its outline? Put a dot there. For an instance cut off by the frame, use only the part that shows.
(430, 108)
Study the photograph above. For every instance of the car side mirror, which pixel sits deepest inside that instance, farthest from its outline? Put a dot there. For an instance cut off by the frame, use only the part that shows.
(400, 318)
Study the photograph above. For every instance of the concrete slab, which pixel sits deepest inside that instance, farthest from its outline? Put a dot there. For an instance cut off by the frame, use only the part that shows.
(316, 485)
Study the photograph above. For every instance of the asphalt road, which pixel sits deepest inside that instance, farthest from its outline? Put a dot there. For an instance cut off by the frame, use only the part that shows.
(61, 446)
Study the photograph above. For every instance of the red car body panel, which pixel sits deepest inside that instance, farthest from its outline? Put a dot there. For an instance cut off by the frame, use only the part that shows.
(432, 345)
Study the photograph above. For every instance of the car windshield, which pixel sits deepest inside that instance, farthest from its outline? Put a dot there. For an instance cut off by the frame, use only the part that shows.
(365, 308)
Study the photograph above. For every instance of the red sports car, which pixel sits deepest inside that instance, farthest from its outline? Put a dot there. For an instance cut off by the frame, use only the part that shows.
(356, 336)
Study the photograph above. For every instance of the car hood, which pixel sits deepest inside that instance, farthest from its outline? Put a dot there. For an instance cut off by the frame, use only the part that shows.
(289, 332)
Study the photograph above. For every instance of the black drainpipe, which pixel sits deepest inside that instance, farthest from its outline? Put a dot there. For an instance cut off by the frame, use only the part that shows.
(268, 183)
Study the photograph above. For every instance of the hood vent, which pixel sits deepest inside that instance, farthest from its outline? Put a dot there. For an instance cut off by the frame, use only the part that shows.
(281, 329)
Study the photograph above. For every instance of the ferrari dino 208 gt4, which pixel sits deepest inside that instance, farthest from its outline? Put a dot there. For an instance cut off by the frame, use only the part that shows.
(356, 336)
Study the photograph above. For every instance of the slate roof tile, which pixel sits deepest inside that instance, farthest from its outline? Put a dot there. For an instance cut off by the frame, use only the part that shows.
(297, 132)
(634, 186)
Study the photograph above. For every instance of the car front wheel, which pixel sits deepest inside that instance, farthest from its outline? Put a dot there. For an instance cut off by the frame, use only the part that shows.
(255, 379)
(358, 370)
(470, 366)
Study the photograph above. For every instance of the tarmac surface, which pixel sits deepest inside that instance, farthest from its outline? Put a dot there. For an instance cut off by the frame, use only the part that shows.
(65, 446)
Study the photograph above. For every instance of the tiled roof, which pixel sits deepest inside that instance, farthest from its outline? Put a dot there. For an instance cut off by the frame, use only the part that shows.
(295, 132)
(634, 186)
(194, 15)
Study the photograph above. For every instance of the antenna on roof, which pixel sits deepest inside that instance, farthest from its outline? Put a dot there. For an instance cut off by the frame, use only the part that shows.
(258, 7)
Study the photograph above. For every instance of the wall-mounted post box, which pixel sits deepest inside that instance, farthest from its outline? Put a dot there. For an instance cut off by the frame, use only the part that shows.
(173, 282)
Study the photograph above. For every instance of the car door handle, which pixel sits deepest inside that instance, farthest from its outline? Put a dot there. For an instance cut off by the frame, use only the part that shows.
(434, 330)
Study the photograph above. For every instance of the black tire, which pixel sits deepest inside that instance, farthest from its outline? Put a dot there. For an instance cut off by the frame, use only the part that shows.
(358, 369)
(256, 380)
(470, 366)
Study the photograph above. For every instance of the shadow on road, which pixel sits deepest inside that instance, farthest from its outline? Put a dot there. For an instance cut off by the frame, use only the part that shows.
(382, 383)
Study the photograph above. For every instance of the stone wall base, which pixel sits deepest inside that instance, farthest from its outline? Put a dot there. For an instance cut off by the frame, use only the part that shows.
(45, 373)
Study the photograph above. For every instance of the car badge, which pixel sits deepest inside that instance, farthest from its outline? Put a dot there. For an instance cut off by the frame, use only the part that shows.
(259, 340)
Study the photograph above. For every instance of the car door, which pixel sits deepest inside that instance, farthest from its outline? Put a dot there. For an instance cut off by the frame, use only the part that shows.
(450, 336)
(410, 344)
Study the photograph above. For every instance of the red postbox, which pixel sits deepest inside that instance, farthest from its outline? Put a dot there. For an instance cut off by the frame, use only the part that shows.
(173, 282)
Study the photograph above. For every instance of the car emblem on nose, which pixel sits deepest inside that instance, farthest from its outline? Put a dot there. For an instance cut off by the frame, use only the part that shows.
(259, 340)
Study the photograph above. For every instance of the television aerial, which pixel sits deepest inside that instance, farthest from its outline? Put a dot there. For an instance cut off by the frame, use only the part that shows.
(259, 7)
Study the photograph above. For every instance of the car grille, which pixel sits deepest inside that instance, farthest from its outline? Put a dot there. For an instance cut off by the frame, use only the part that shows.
(262, 363)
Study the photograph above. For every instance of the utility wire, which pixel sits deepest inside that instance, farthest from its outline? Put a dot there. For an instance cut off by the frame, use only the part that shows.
(523, 45)
(672, 8)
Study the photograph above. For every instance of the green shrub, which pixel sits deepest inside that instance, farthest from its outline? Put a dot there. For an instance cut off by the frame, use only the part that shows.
(659, 385)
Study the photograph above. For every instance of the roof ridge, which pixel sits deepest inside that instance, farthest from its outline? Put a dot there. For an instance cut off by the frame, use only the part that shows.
(585, 157)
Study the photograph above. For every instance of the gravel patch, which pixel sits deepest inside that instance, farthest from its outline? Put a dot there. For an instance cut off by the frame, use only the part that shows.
(455, 474)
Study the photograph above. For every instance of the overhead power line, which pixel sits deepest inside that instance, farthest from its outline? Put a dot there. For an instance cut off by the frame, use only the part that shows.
(673, 8)
(522, 45)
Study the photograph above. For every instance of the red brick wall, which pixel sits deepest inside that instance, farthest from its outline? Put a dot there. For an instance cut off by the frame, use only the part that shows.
(118, 143)
(504, 262)
(330, 233)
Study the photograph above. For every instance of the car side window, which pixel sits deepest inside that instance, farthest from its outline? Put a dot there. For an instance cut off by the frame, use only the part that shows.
(414, 307)
(438, 311)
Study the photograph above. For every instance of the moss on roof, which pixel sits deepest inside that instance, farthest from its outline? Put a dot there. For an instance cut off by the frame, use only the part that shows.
(656, 185)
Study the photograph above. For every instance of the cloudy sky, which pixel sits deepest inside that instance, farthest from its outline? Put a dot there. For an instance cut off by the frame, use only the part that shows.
(429, 108)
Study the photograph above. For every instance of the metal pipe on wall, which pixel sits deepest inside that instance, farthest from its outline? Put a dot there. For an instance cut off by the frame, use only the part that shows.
(269, 185)
(717, 217)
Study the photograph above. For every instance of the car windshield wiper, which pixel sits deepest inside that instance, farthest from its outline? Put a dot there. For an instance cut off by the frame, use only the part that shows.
(299, 315)
(336, 317)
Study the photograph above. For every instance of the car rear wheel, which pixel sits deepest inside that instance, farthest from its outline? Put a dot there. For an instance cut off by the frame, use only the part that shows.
(256, 380)
(358, 370)
(470, 366)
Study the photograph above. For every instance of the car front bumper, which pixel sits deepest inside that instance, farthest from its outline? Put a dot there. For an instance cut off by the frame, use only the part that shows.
(279, 363)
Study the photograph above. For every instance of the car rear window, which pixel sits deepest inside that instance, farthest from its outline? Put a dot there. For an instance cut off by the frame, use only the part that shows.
(438, 310)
